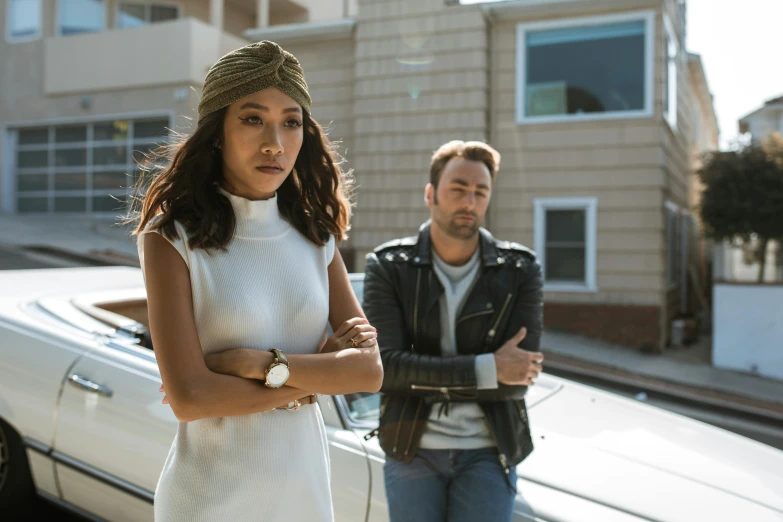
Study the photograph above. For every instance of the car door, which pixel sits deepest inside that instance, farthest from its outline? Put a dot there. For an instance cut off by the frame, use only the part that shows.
(350, 474)
(361, 412)
(113, 433)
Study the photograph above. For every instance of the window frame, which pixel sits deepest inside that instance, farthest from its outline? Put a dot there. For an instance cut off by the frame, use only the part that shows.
(672, 65)
(38, 34)
(147, 11)
(590, 207)
(11, 173)
(58, 27)
(646, 16)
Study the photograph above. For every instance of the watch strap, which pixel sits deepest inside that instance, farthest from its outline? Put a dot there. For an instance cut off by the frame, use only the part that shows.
(279, 356)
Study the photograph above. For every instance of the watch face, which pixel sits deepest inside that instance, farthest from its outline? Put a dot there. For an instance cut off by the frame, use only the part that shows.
(278, 375)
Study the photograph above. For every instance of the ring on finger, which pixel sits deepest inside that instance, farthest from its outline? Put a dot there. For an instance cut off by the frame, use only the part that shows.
(355, 343)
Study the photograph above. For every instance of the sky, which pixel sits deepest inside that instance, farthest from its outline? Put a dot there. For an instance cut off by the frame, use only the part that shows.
(742, 57)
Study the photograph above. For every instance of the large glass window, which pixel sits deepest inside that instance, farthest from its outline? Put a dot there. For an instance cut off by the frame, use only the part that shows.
(565, 236)
(87, 167)
(585, 70)
(565, 245)
(81, 16)
(131, 14)
(23, 19)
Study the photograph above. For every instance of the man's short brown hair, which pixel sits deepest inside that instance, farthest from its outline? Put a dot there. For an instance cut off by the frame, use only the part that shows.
(470, 150)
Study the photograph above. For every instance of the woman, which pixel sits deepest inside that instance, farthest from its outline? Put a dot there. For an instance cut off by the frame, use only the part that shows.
(237, 244)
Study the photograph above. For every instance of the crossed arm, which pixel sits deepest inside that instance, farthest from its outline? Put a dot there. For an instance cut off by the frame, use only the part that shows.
(196, 391)
(405, 370)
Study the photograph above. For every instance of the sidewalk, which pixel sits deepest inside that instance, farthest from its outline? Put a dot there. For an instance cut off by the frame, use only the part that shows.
(682, 372)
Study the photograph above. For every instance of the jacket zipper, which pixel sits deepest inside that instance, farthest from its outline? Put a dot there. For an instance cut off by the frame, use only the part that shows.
(416, 310)
(522, 415)
(399, 424)
(413, 428)
(439, 388)
(465, 318)
(493, 330)
(413, 348)
(501, 456)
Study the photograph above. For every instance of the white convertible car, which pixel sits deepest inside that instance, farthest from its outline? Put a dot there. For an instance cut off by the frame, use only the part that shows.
(81, 422)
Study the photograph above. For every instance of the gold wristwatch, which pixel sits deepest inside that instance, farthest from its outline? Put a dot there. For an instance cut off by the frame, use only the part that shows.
(278, 372)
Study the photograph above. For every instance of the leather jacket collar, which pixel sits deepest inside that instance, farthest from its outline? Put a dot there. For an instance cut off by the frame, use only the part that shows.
(490, 255)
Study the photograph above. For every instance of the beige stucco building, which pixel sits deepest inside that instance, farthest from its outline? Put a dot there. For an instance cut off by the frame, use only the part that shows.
(590, 103)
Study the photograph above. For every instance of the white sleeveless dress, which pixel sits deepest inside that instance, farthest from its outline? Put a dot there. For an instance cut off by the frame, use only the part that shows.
(269, 289)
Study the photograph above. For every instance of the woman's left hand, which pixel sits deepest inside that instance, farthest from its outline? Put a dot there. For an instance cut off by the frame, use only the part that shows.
(240, 362)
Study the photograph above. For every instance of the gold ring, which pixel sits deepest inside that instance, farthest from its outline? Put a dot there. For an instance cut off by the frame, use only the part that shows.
(354, 342)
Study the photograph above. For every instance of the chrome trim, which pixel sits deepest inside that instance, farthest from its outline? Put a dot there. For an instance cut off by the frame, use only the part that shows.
(87, 385)
(102, 476)
(36, 446)
(140, 351)
(67, 506)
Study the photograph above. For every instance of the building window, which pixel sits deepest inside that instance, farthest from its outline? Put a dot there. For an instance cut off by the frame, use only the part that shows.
(130, 14)
(586, 68)
(81, 16)
(565, 239)
(23, 20)
(672, 52)
(672, 245)
(84, 167)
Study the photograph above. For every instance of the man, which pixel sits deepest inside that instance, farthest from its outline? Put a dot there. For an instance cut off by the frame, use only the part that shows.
(452, 307)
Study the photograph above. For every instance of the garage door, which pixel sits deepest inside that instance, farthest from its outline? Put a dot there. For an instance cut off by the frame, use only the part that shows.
(85, 167)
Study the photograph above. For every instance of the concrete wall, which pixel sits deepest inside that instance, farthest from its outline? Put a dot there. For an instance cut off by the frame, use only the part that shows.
(330, 10)
(748, 329)
(132, 58)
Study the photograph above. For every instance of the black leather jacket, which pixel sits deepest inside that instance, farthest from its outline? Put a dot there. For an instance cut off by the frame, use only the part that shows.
(401, 295)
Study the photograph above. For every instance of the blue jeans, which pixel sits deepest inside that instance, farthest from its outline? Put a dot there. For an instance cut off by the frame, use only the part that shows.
(450, 486)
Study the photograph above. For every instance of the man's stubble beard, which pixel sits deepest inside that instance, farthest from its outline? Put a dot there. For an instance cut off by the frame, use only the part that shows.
(452, 229)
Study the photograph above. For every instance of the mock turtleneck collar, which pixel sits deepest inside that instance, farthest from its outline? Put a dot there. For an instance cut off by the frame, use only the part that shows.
(257, 219)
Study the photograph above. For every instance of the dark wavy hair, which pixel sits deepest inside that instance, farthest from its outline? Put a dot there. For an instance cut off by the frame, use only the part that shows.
(315, 197)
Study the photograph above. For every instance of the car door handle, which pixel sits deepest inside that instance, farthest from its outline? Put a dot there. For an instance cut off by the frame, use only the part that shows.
(86, 384)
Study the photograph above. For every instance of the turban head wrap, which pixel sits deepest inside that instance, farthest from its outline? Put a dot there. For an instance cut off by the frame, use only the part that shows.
(250, 69)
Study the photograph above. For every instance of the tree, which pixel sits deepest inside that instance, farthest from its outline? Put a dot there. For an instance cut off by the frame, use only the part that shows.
(743, 195)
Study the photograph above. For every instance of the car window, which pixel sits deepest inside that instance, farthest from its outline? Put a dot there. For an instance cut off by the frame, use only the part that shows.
(357, 283)
(364, 407)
